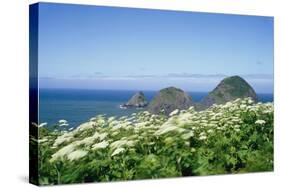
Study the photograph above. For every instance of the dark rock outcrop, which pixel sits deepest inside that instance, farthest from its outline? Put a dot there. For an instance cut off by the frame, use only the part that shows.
(169, 99)
(138, 100)
(228, 89)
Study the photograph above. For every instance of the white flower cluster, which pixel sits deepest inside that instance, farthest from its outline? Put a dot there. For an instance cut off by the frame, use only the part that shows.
(115, 136)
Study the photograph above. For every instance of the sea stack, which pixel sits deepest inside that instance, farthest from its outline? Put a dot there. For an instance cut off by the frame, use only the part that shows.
(169, 99)
(228, 89)
(138, 100)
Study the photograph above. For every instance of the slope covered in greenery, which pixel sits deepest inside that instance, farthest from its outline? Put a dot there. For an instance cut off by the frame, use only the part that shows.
(235, 137)
(169, 99)
(230, 88)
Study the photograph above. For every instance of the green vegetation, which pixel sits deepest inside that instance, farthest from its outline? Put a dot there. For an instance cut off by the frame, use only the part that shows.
(235, 137)
(228, 89)
(169, 99)
(238, 86)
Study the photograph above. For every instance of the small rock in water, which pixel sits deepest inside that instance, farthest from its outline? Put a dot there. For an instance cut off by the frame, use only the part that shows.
(138, 100)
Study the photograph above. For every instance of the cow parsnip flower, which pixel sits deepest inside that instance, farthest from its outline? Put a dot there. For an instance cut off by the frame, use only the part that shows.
(166, 129)
(77, 154)
(117, 151)
(42, 124)
(85, 126)
(187, 135)
(66, 137)
(175, 112)
(88, 140)
(203, 137)
(260, 122)
(60, 154)
(64, 125)
(62, 121)
(42, 140)
(210, 131)
(121, 143)
(100, 145)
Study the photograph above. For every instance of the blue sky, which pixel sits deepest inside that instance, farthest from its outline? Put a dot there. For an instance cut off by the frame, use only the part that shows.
(140, 49)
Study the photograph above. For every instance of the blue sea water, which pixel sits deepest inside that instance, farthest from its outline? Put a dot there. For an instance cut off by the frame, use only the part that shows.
(77, 106)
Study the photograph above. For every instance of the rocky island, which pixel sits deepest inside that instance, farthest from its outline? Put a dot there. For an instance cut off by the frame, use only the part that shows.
(138, 100)
(228, 89)
(169, 99)
(172, 98)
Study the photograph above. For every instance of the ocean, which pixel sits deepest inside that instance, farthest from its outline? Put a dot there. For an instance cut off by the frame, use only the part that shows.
(78, 106)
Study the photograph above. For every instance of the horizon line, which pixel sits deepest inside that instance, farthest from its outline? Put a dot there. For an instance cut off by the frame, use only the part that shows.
(135, 90)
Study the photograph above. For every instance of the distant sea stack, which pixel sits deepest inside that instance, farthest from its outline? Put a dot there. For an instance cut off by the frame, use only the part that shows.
(169, 99)
(138, 100)
(228, 89)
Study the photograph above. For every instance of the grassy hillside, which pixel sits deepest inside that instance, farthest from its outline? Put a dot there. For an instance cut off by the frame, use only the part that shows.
(228, 89)
(236, 137)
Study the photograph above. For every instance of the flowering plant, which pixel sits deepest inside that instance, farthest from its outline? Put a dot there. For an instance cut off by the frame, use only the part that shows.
(235, 137)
